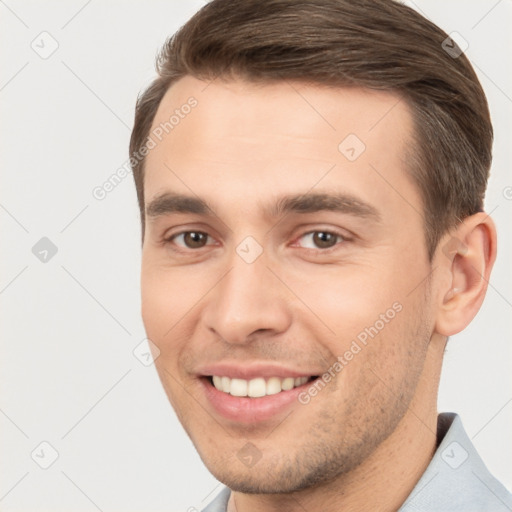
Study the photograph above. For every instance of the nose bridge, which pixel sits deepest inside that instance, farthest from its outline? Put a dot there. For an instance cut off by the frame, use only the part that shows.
(248, 299)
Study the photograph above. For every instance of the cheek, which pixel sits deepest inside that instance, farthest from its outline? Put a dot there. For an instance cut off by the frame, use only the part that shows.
(153, 294)
(170, 299)
(163, 302)
(166, 292)
(347, 299)
(369, 317)
(162, 306)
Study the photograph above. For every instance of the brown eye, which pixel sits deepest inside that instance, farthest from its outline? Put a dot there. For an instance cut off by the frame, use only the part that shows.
(195, 239)
(320, 240)
(324, 240)
(191, 239)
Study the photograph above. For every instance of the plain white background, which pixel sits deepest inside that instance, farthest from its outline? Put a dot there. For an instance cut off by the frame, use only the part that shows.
(69, 325)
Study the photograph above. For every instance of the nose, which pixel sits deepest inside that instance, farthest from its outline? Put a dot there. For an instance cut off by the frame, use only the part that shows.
(249, 300)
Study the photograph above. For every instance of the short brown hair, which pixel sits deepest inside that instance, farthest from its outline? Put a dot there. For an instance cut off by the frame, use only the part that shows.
(377, 44)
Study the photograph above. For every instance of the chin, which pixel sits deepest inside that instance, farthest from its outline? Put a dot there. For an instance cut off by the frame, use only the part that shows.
(286, 475)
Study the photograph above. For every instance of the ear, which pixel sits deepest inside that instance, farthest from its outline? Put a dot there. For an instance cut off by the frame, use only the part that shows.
(468, 253)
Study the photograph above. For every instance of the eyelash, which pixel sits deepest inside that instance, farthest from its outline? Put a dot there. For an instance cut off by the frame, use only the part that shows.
(170, 239)
(341, 238)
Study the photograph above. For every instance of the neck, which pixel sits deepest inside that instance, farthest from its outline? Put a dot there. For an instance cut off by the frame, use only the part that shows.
(384, 480)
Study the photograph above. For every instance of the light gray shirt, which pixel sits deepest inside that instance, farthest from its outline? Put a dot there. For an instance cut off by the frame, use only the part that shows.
(456, 480)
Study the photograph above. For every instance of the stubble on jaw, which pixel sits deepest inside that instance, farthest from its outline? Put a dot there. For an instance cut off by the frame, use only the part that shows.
(337, 444)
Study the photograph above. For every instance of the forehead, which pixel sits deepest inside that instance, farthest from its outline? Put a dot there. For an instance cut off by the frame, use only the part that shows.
(277, 136)
(284, 108)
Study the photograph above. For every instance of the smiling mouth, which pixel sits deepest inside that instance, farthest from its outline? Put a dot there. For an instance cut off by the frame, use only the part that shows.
(258, 387)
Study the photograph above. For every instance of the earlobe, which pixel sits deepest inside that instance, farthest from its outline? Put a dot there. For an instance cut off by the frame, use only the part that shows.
(468, 253)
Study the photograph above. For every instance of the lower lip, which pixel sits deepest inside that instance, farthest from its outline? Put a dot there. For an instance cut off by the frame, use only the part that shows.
(249, 410)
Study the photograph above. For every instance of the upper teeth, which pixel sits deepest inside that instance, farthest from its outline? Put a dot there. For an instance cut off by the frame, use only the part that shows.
(256, 387)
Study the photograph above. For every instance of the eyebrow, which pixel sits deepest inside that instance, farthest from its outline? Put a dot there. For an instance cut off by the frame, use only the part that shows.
(171, 202)
(316, 202)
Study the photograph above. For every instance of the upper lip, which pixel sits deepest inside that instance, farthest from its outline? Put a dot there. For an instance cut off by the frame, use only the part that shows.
(249, 371)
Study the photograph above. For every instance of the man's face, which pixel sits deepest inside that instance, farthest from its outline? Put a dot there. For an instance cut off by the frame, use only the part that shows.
(264, 299)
